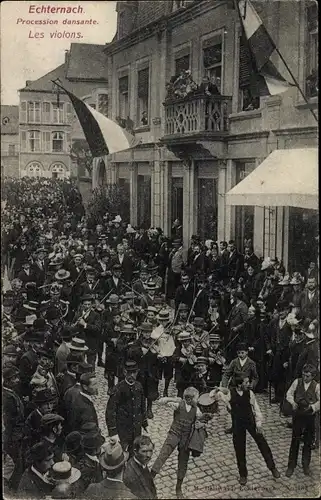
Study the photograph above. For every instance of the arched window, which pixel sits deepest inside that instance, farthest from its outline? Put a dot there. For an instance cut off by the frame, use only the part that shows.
(34, 169)
(57, 142)
(58, 171)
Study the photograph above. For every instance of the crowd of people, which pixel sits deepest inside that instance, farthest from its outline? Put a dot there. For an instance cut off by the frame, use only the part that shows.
(80, 294)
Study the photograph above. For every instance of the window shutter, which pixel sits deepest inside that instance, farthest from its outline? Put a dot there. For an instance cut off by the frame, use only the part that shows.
(46, 142)
(123, 84)
(46, 112)
(245, 69)
(69, 113)
(23, 111)
(143, 83)
(67, 142)
(23, 140)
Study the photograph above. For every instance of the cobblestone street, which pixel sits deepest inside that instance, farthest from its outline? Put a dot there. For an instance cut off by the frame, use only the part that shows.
(214, 474)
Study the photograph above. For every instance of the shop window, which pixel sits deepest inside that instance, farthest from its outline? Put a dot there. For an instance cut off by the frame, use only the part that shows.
(182, 64)
(124, 184)
(312, 80)
(57, 142)
(123, 97)
(34, 141)
(207, 208)
(244, 215)
(143, 97)
(303, 234)
(144, 200)
(270, 223)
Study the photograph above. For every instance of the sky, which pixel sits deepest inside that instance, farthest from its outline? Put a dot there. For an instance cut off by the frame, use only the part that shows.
(28, 51)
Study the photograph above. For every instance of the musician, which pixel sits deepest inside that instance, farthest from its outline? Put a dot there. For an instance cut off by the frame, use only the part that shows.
(182, 314)
(55, 301)
(216, 361)
(201, 301)
(127, 338)
(148, 297)
(103, 268)
(112, 330)
(152, 270)
(125, 262)
(145, 355)
(140, 284)
(184, 360)
(165, 348)
(76, 267)
(114, 284)
(91, 285)
(200, 337)
(88, 327)
(200, 376)
(185, 292)
(66, 293)
(151, 313)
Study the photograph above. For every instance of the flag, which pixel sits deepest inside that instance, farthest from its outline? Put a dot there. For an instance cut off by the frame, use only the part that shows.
(103, 135)
(261, 47)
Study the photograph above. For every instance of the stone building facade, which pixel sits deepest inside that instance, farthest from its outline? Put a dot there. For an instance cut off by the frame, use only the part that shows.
(10, 141)
(193, 152)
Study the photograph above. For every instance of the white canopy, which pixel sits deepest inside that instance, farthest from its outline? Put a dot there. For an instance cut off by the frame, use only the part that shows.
(286, 178)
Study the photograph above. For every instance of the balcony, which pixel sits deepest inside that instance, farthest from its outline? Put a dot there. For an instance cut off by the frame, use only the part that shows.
(196, 120)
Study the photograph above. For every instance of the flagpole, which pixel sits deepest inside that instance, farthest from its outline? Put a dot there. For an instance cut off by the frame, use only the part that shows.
(236, 6)
(296, 82)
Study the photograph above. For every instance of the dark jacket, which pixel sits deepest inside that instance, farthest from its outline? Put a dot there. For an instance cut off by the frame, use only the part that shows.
(310, 308)
(127, 267)
(234, 369)
(126, 411)
(13, 417)
(237, 318)
(92, 333)
(80, 410)
(32, 486)
(91, 472)
(309, 355)
(235, 265)
(106, 489)
(139, 480)
(185, 296)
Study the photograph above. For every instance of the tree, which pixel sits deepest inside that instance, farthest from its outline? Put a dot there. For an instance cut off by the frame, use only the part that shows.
(81, 154)
(112, 199)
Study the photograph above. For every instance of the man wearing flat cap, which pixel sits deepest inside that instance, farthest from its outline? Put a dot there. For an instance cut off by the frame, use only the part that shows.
(126, 408)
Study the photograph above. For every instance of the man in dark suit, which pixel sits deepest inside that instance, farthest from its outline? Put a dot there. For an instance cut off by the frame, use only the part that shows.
(224, 254)
(92, 285)
(126, 263)
(310, 299)
(115, 283)
(76, 268)
(88, 327)
(185, 292)
(197, 260)
(250, 258)
(236, 320)
(235, 262)
(27, 274)
(34, 483)
(81, 408)
(137, 476)
(40, 266)
(126, 408)
(112, 487)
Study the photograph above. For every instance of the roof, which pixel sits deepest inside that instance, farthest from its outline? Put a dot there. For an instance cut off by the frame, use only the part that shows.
(9, 119)
(287, 177)
(87, 62)
(44, 83)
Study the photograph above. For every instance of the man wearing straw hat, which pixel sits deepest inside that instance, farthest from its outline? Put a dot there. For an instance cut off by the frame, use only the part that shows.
(165, 347)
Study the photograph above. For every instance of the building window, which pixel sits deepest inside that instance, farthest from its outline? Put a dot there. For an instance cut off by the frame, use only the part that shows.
(57, 112)
(312, 80)
(177, 199)
(270, 232)
(46, 112)
(34, 112)
(249, 95)
(144, 200)
(142, 97)
(207, 208)
(58, 171)
(244, 215)
(123, 97)
(34, 169)
(69, 112)
(12, 150)
(182, 64)
(212, 62)
(57, 142)
(46, 142)
(34, 141)
(103, 104)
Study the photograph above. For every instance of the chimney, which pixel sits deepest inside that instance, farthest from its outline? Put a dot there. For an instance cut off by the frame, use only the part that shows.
(28, 82)
(67, 53)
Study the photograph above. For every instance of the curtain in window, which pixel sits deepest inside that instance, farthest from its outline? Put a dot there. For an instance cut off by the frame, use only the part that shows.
(212, 55)
(143, 83)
